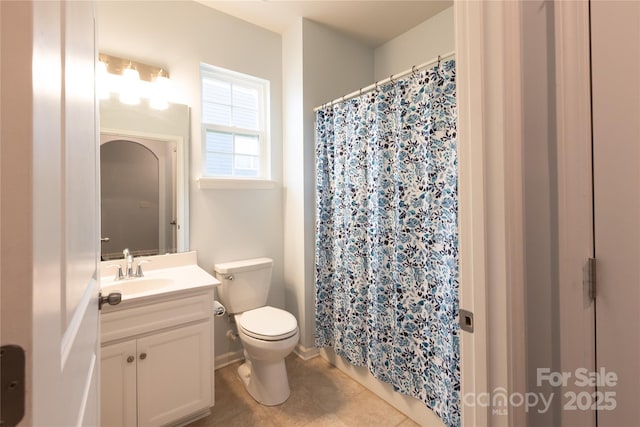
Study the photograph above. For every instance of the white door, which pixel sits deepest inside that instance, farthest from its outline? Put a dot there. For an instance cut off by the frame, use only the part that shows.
(615, 47)
(49, 123)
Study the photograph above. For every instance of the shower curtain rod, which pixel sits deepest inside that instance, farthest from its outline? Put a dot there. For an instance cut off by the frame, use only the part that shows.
(387, 80)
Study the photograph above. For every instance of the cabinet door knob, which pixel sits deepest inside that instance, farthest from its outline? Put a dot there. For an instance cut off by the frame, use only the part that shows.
(143, 356)
(130, 359)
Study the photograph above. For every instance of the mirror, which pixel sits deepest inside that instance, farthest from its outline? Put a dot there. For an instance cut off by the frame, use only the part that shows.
(144, 178)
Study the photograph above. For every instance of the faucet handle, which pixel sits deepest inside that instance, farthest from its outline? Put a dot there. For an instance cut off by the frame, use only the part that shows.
(119, 275)
(139, 272)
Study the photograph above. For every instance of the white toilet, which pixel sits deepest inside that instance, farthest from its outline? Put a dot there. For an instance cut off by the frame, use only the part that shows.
(268, 334)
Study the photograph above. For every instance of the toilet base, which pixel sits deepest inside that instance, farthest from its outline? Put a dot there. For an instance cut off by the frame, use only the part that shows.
(265, 381)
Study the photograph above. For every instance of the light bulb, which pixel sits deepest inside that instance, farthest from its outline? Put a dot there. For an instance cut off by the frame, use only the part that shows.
(159, 97)
(130, 89)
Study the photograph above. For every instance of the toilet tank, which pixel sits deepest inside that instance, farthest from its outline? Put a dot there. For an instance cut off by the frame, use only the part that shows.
(244, 284)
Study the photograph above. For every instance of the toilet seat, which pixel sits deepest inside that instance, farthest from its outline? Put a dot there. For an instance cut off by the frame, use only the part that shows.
(267, 323)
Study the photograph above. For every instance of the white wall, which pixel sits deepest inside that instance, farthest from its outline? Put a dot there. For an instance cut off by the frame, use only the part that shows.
(426, 41)
(333, 65)
(16, 183)
(319, 65)
(293, 174)
(224, 224)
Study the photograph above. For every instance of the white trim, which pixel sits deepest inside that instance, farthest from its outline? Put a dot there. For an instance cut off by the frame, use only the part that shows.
(70, 336)
(575, 220)
(235, 184)
(91, 381)
(514, 208)
(488, 37)
(469, 68)
(231, 357)
(264, 116)
(227, 359)
(306, 353)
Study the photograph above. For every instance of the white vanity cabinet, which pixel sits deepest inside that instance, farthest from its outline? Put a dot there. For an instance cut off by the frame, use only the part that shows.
(118, 401)
(156, 359)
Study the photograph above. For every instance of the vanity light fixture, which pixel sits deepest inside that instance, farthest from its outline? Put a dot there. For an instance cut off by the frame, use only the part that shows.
(133, 80)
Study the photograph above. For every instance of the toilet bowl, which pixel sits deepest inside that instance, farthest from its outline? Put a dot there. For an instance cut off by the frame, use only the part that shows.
(268, 334)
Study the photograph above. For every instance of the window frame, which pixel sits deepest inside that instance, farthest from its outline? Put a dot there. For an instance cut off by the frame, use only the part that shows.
(262, 86)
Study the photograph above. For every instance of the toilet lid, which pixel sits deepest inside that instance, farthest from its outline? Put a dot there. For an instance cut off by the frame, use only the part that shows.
(268, 323)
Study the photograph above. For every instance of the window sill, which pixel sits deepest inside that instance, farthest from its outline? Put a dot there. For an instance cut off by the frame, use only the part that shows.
(235, 184)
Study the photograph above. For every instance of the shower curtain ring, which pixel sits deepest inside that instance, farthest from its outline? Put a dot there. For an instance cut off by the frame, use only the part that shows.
(391, 78)
(413, 69)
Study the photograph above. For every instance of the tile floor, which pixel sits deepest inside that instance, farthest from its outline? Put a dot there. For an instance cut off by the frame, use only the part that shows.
(321, 396)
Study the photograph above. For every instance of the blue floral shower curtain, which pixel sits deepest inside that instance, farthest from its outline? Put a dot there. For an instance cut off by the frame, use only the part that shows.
(387, 240)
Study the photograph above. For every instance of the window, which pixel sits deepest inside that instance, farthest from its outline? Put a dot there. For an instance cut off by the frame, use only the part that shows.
(235, 121)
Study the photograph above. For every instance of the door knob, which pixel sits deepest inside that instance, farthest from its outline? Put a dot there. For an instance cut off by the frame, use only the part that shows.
(130, 359)
(114, 298)
(143, 356)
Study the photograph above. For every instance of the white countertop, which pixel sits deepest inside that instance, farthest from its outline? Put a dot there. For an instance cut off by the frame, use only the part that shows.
(163, 275)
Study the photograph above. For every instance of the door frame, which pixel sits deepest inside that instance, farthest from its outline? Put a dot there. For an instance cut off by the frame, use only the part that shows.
(16, 187)
(491, 217)
(575, 192)
(489, 58)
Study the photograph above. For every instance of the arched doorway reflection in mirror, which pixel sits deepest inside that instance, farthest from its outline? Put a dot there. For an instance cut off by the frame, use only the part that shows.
(138, 196)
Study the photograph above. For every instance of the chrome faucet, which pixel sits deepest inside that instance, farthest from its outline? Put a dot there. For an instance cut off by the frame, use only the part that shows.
(128, 272)
(129, 259)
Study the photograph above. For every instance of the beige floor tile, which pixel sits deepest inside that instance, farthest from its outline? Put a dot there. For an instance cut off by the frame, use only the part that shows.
(321, 395)
(232, 400)
(408, 422)
(298, 410)
(245, 419)
(331, 390)
(328, 420)
(367, 409)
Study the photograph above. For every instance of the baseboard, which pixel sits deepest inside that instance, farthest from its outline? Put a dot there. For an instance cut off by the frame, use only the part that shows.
(305, 353)
(193, 417)
(227, 359)
(230, 357)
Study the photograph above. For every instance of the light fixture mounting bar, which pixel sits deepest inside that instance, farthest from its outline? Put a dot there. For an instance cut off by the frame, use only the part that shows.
(116, 65)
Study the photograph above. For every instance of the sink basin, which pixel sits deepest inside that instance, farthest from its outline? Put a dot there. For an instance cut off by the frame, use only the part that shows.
(163, 274)
(137, 286)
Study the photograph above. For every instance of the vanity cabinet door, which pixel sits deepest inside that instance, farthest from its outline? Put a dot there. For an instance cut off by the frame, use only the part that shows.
(174, 374)
(118, 385)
